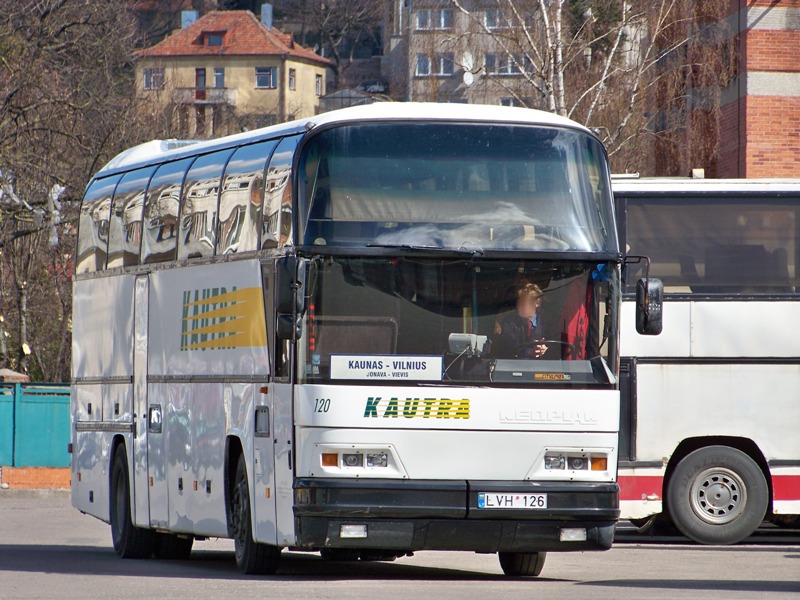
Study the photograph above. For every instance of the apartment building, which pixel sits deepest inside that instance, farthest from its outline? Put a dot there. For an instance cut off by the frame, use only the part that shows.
(227, 71)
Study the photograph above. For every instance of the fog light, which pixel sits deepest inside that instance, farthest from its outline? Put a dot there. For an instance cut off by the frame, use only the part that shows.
(572, 534)
(330, 459)
(578, 463)
(553, 462)
(353, 460)
(378, 460)
(599, 463)
(358, 531)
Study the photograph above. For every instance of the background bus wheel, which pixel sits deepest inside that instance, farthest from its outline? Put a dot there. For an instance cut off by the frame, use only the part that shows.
(173, 547)
(129, 541)
(339, 554)
(522, 564)
(252, 558)
(717, 495)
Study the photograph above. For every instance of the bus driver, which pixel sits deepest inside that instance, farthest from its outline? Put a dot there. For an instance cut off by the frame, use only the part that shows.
(515, 334)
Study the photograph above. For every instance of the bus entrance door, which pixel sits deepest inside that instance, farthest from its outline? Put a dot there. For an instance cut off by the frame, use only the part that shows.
(140, 484)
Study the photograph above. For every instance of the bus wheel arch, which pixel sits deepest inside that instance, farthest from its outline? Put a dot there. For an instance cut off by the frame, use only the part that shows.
(735, 469)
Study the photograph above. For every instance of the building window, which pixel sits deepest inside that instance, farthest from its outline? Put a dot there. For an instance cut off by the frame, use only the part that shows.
(213, 39)
(219, 77)
(154, 79)
(508, 102)
(435, 18)
(500, 63)
(318, 85)
(266, 78)
(494, 19)
(423, 65)
(440, 65)
(292, 79)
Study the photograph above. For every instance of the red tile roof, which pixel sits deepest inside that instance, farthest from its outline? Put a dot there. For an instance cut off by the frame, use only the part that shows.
(243, 35)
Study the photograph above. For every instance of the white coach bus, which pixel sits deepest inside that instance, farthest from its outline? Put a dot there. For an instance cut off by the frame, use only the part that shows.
(710, 429)
(379, 330)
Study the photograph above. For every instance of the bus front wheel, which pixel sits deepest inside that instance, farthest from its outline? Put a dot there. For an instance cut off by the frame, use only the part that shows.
(252, 558)
(717, 495)
(129, 541)
(522, 564)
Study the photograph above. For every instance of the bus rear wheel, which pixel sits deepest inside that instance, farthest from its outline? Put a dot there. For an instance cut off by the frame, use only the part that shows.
(717, 495)
(522, 564)
(252, 558)
(129, 541)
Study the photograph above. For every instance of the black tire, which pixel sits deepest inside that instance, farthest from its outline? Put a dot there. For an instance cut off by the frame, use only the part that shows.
(173, 547)
(129, 541)
(339, 554)
(522, 564)
(717, 495)
(252, 558)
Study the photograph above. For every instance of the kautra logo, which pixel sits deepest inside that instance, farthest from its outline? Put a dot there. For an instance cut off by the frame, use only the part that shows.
(419, 408)
(218, 319)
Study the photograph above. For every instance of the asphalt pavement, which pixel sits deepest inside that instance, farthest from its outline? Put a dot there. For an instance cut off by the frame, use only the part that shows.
(49, 550)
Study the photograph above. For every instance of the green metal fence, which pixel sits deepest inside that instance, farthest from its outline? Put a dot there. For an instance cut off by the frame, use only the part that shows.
(34, 425)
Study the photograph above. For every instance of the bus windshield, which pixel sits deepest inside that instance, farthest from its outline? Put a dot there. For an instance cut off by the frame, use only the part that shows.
(447, 185)
(520, 322)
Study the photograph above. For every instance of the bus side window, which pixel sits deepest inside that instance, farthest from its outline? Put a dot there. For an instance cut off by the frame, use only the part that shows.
(241, 199)
(93, 225)
(714, 244)
(198, 218)
(160, 230)
(125, 225)
(277, 220)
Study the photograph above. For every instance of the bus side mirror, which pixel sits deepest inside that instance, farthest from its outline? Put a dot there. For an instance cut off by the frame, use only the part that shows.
(290, 287)
(649, 306)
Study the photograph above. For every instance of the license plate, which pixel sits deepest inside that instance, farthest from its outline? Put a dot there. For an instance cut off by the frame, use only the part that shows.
(509, 500)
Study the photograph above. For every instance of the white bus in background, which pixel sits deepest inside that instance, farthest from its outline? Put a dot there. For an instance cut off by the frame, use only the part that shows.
(710, 429)
(305, 361)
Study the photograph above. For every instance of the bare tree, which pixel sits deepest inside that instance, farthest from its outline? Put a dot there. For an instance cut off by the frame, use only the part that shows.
(66, 107)
(335, 27)
(614, 65)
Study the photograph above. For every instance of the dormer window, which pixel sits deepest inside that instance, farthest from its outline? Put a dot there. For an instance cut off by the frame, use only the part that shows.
(213, 39)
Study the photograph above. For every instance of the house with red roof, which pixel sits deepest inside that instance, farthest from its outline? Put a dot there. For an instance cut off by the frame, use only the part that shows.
(228, 71)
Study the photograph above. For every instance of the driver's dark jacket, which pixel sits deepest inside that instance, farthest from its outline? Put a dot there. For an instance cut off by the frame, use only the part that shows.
(511, 332)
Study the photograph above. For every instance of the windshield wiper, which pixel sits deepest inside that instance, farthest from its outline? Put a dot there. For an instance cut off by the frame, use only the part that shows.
(404, 246)
(462, 250)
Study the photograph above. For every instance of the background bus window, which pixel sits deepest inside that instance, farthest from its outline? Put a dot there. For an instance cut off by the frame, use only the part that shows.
(277, 220)
(125, 227)
(198, 222)
(715, 246)
(241, 199)
(160, 241)
(93, 227)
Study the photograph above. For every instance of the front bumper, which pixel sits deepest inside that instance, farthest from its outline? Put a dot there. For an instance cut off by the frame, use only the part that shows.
(444, 515)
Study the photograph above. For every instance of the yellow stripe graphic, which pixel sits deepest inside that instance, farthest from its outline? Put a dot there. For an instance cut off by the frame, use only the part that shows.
(243, 325)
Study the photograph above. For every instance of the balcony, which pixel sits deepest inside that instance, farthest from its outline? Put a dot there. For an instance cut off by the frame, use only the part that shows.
(206, 95)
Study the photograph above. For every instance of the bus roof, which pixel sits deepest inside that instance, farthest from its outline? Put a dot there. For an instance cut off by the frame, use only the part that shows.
(672, 186)
(160, 151)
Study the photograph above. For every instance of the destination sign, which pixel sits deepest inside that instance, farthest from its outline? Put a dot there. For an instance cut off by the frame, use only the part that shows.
(377, 367)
